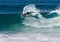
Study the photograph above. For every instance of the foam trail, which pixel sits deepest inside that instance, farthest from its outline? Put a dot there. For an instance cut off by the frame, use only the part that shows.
(55, 11)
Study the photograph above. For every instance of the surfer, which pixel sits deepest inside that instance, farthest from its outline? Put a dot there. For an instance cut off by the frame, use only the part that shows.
(32, 14)
(27, 13)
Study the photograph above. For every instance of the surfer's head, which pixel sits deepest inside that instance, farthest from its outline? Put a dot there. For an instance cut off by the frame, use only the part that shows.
(27, 13)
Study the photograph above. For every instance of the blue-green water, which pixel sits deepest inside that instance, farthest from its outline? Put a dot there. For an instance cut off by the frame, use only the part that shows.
(10, 15)
(13, 27)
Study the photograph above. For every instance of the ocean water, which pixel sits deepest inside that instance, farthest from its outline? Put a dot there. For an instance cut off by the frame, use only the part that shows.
(14, 28)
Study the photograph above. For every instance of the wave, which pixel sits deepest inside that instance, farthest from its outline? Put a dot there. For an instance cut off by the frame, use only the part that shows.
(55, 11)
(41, 22)
(32, 30)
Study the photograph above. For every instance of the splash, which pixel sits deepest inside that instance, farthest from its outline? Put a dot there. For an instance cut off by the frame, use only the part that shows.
(41, 22)
(30, 8)
(34, 12)
(55, 11)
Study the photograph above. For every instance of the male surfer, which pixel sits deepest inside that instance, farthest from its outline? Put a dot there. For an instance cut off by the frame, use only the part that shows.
(32, 14)
(27, 13)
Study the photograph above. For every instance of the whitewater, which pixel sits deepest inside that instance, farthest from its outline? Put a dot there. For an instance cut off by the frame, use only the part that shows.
(33, 29)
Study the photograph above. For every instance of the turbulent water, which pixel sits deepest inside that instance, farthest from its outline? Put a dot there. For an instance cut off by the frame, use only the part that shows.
(16, 28)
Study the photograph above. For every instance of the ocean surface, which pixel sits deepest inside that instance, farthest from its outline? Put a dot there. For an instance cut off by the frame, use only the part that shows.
(14, 28)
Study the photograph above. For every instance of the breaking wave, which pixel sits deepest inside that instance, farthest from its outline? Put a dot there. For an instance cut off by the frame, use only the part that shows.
(42, 22)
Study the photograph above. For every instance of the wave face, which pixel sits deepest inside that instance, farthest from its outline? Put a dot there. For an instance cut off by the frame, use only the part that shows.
(42, 21)
(42, 25)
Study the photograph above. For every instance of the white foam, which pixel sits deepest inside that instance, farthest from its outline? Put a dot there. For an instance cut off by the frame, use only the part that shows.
(55, 11)
(30, 8)
(31, 20)
(29, 38)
